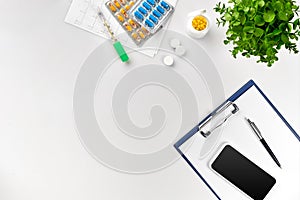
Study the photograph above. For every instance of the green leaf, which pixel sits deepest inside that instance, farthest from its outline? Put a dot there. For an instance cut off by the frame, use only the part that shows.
(236, 15)
(295, 23)
(249, 35)
(237, 29)
(269, 16)
(252, 11)
(259, 20)
(249, 23)
(278, 6)
(226, 42)
(227, 17)
(248, 29)
(276, 32)
(258, 32)
(295, 7)
(243, 19)
(282, 26)
(229, 32)
(253, 42)
(269, 51)
(261, 3)
(288, 6)
(289, 27)
(246, 9)
(236, 23)
(284, 38)
(290, 16)
(292, 36)
(277, 38)
(267, 29)
(282, 16)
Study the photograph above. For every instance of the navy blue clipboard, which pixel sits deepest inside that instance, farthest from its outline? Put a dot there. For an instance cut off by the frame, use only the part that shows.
(234, 97)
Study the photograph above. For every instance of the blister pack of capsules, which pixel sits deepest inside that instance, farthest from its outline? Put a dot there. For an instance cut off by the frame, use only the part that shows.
(120, 10)
(141, 18)
(152, 14)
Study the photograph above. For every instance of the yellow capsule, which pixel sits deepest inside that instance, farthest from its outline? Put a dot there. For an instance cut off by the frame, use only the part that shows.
(117, 4)
(120, 17)
(131, 3)
(127, 26)
(145, 31)
(132, 23)
(126, 15)
(123, 2)
(141, 34)
(123, 11)
(127, 7)
(112, 7)
(136, 37)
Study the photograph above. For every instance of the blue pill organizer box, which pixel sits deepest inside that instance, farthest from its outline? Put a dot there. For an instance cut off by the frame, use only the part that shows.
(152, 14)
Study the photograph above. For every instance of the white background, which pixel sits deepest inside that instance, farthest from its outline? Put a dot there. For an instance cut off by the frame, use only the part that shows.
(40, 154)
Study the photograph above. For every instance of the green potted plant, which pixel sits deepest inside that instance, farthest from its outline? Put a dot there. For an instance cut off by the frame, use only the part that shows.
(260, 27)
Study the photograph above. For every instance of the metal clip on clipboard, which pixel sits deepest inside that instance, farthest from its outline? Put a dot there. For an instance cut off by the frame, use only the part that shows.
(215, 114)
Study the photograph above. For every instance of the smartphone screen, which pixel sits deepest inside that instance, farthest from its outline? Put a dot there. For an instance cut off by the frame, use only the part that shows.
(243, 173)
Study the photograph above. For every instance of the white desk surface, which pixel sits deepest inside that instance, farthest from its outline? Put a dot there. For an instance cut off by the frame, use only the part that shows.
(41, 156)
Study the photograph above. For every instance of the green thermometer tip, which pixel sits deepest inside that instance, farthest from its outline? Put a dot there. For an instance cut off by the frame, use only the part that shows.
(121, 52)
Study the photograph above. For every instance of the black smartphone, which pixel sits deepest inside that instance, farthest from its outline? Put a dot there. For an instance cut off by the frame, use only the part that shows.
(243, 173)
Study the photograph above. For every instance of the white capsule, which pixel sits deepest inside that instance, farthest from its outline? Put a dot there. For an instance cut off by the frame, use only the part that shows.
(174, 43)
(180, 50)
(168, 60)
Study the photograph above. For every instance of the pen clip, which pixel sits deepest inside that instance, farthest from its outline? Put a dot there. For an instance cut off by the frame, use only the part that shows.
(215, 114)
(255, 129)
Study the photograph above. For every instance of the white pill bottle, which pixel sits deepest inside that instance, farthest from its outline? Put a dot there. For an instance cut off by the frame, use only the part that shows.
(191, 31)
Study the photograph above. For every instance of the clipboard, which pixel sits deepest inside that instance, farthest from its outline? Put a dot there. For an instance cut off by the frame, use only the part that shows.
(230, 127)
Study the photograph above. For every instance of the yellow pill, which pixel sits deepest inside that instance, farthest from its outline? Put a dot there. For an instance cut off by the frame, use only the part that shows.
(123, 11)
(131, 3)
(127, 26)
(127, 7)
(117, 4)
(145, 31)
(136, 37)
(123, 2)
(141, 34)
(125, 15)
(132, 23)
(120, 18)
(112, 7)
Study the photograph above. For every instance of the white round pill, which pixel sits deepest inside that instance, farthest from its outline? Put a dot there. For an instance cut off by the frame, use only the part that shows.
(174, 43)
(168, 60)
(180, 50)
